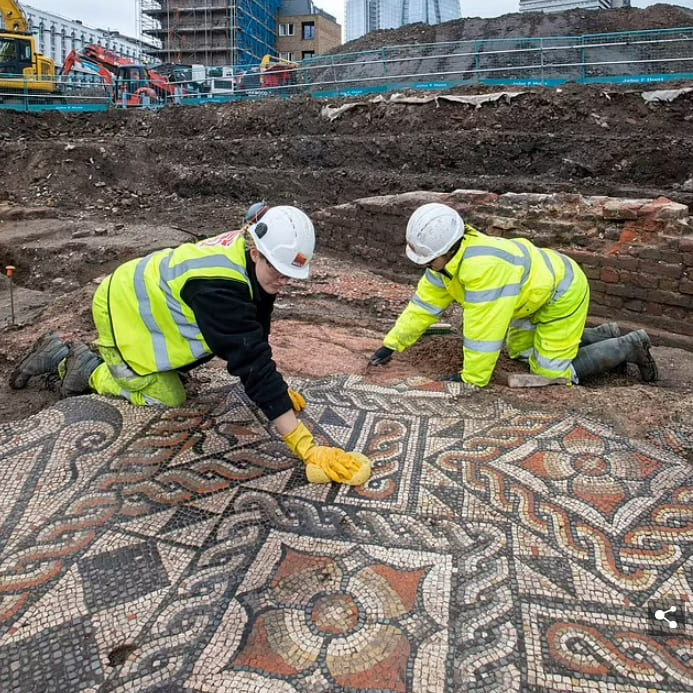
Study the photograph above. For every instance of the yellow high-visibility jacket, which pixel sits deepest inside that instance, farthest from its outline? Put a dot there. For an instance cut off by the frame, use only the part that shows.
(495, 280)
(154, 329)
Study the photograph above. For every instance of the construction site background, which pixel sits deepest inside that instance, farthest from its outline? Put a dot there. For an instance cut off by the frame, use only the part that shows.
(581, 167)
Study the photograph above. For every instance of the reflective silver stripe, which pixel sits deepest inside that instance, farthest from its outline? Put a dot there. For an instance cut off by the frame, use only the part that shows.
(548, 264)
(209, 262)
(188, 327)
(524, 355)
(486, 346)
(432, 310)
(558, 365)
(189, 330)
(148, 401)
(163, 362)
(487, 251)
(122, 372)
(489, 295)
(574, 375)
(435, 279)
(526, 262)
(523, 324)
(566, 282)
(151, 402)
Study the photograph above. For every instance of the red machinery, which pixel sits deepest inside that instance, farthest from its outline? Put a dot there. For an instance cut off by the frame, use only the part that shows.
(276, 72)
(129, 82)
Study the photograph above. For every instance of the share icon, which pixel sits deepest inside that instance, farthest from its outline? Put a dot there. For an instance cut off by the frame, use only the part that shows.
(667, 617)
(661, 615)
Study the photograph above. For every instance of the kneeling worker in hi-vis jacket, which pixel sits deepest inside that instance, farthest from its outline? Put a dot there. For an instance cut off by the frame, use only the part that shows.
(177, 308)
(531, 300)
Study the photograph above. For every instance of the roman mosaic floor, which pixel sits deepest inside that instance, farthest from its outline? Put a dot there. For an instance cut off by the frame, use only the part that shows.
(493, 550)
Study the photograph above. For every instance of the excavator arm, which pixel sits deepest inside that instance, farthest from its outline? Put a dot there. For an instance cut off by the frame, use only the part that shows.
(13, 17)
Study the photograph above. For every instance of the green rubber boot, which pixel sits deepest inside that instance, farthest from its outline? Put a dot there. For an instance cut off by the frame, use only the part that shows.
(606, 355)
(43, 358)
(608, 330)
(81, 362)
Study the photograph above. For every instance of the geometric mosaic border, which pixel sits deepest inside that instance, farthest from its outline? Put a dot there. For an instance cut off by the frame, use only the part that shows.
(493, 549)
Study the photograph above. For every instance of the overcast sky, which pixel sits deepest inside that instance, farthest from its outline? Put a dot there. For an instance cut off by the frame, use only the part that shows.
(121, 15)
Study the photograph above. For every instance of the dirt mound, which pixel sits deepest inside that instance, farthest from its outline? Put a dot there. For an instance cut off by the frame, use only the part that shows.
(126, 180)
(527, 24)
(155, 165)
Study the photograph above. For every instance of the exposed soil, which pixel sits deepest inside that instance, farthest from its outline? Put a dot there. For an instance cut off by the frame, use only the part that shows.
(528, 24)
(81, 193)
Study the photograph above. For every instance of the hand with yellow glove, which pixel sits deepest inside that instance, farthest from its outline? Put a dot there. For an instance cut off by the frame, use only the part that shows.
(325, 464)
(298, 401)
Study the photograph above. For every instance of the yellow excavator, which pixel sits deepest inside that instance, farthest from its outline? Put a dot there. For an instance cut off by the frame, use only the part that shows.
(22, 69)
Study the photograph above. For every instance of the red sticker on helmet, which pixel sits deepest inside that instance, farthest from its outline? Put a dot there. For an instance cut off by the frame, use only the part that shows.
(299, 260)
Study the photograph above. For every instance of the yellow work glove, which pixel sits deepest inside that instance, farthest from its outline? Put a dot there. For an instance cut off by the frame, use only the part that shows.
(298, 401)
(325, 464)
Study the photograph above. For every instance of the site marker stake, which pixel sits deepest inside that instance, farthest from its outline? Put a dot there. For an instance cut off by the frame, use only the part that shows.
(10, 271)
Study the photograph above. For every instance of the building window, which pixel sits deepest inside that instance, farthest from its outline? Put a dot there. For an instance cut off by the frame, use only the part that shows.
(287, 56)
(308, 54)
(286, 29)
(308, 31)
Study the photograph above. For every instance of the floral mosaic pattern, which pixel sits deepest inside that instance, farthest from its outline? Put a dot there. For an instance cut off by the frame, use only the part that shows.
(493, 550)
(354, 617)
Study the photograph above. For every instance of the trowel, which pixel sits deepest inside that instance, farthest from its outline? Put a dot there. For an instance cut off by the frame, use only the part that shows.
(533, 380)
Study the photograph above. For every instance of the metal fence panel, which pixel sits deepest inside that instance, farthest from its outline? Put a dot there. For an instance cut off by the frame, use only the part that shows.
(656, 55)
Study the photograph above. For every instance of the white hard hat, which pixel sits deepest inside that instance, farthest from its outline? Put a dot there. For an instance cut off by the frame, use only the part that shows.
(286, 237)
(432, 230)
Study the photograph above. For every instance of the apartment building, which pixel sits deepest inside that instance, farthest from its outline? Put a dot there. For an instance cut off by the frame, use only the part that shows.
(304, 30)
(211, 32)
(56, 36)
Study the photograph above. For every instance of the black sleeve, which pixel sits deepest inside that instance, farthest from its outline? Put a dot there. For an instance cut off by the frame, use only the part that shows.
(229, 323)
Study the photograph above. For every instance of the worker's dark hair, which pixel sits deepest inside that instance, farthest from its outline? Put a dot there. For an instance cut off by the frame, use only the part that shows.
(453, 251)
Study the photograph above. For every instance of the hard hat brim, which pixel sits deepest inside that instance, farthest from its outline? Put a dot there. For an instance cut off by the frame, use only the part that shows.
(287, 270)
(415, 257)
(293, 272)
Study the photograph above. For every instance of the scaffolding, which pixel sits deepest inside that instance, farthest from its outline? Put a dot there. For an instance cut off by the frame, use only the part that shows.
(210, 32)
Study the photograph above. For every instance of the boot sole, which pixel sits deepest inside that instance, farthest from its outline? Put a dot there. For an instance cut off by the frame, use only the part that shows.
(649, 372)
(18, 380)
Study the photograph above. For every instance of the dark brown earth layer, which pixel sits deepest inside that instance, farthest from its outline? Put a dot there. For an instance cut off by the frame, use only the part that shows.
(124, 165)
(81, 193)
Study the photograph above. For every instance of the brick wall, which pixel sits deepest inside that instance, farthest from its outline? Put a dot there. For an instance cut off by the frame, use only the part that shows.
(328, 35)
(637, 253)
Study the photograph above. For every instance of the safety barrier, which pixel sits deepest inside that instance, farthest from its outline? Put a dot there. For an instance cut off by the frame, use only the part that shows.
(657, 55)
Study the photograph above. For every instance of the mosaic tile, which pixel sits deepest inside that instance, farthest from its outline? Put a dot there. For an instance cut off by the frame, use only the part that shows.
(122, 575)
(62, 658)
(493, 549)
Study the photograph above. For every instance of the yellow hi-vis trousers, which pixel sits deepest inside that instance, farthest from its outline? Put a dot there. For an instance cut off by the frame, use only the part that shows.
(115, 377)
(550, 338)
